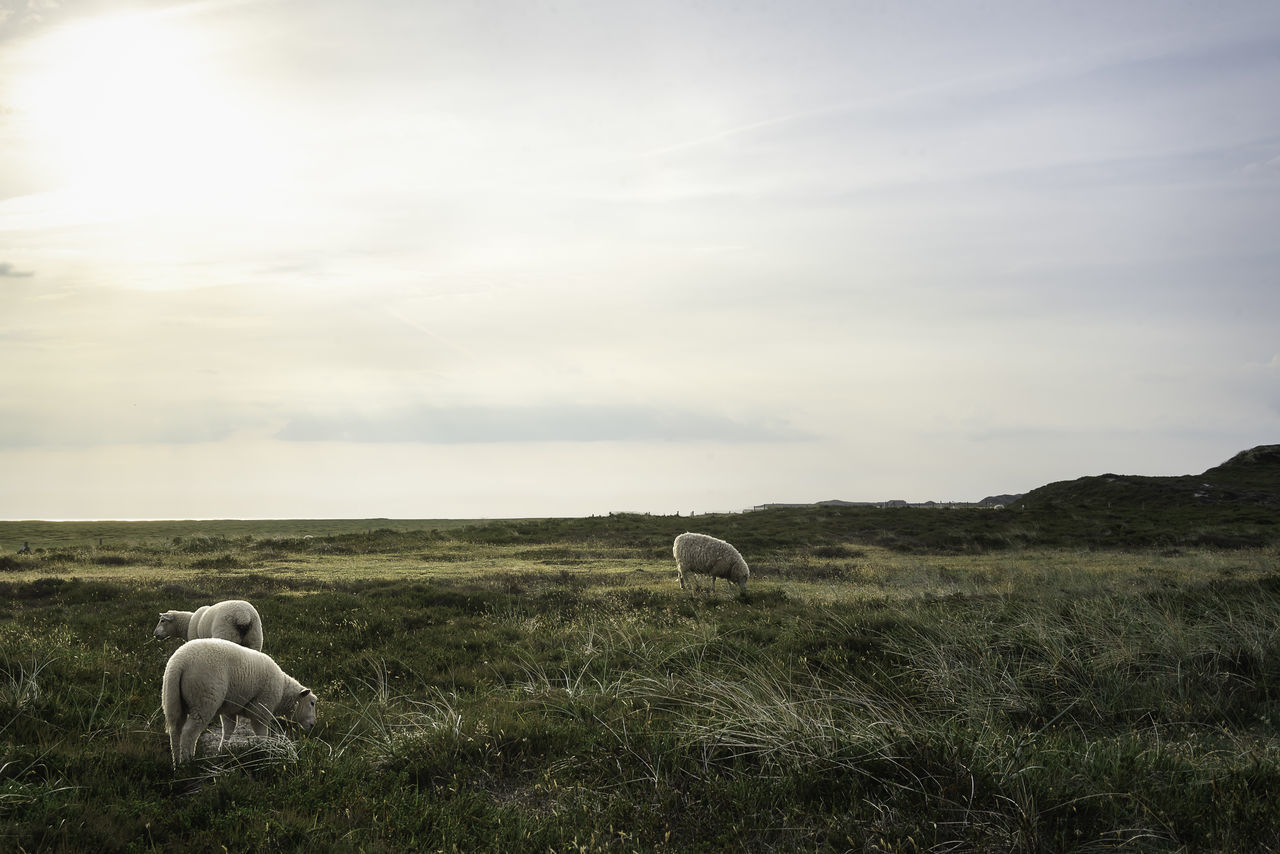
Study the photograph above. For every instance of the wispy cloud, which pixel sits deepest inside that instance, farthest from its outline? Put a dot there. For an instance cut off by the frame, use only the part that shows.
(95, 425)
(8, 271)
(538, 423)
(1272, 165)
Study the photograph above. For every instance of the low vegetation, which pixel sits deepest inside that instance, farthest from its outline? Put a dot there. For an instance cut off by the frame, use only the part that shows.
(545, 686)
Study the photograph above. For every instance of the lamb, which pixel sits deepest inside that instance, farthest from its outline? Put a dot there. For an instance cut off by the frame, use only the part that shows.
(234, 620)
(701, 554)
(208, 677)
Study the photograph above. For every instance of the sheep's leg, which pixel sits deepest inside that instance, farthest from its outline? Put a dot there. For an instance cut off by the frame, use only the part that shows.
(259, 727)
(191, 730)
(175, 740)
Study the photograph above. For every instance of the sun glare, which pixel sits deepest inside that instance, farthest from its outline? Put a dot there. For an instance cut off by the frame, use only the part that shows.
(131, 114)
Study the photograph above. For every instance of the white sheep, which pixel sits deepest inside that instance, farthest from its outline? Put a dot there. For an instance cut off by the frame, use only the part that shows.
(234, 620)
(701, 554)
(208, 677)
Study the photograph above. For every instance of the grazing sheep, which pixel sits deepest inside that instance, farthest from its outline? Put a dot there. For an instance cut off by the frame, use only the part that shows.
(700, 554)
(234, 620)
(208, 677)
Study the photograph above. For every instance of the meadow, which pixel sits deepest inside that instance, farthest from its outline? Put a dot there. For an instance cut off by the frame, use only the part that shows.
(546, 686)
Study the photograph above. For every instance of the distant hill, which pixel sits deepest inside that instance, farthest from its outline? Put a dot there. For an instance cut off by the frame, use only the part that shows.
(1251, 474)
(1234, 504)
(1251, 477)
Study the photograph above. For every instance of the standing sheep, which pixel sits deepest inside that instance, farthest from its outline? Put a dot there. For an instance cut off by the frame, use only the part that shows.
(700, 554)
(208, 677)
(234, 620)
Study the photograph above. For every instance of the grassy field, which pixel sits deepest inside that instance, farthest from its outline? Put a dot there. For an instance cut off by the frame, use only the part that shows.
(117, 534)
(546, 686)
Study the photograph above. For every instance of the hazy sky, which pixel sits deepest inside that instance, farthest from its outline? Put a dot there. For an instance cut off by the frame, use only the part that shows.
(435, 258)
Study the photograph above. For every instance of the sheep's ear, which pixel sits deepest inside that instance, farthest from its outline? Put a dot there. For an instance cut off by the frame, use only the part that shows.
(305, 692)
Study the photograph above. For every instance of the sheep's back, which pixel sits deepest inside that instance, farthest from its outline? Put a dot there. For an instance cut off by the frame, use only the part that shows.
(234, 620)
(222, 661)
(704, 553)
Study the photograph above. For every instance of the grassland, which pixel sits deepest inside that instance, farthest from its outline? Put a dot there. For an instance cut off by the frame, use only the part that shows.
(38, 534)
(546, 686)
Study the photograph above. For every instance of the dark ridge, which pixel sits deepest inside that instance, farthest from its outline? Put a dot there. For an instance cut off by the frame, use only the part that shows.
(1251, 477)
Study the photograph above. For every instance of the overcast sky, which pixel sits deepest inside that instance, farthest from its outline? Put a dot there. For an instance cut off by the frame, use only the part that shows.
(328, 258)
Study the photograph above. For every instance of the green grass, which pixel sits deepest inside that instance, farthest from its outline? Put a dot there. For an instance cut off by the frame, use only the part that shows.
(526, 688)
(115, 534)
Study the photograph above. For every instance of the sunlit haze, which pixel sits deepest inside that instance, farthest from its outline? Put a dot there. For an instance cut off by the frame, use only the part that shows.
(420, 260)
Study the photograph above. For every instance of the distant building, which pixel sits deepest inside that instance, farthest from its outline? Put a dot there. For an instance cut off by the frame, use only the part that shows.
(993, 502)
(778, 506)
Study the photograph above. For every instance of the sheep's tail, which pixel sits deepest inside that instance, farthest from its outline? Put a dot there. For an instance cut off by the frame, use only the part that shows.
(174, 708)
(248, 627)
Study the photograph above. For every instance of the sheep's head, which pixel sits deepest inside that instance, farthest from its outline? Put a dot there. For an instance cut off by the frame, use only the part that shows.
(167, 627)
(304, 710)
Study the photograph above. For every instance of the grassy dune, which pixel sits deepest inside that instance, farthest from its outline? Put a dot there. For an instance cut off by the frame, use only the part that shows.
(529, 688)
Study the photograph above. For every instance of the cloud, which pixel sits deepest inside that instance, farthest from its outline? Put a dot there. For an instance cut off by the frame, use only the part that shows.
(37, 12)
(96, 425)
(542, 423)
(1272, 165)
(8, 271)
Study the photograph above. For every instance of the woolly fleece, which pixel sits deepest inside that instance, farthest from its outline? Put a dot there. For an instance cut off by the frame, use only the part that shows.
(208, 677)
(234, 620)
(702, 554)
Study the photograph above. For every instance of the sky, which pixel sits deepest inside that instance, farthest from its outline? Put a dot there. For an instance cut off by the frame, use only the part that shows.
(441, 259)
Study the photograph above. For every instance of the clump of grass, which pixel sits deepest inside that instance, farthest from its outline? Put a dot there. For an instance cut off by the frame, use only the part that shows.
(11, 563)
(427, 732)
(750, 718)
(19, 686)
(27, 781)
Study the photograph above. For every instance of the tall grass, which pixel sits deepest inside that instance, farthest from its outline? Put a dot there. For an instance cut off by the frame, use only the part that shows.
(543, 696)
